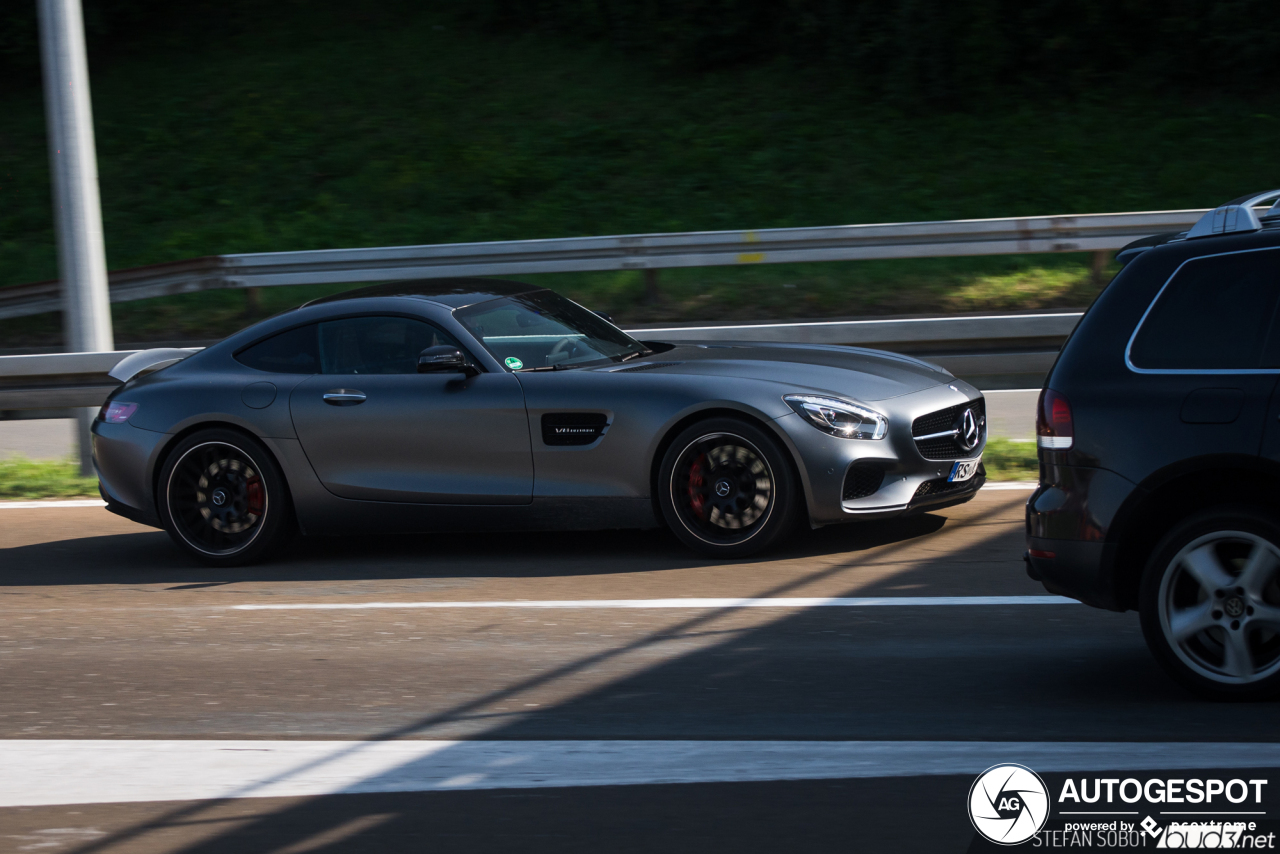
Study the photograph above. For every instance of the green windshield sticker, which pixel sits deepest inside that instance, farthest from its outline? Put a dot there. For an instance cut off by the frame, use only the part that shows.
(513, 363)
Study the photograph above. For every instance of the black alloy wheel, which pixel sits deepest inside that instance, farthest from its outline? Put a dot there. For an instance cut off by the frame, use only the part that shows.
(727, 488)
(222, 498)
(1210, 604)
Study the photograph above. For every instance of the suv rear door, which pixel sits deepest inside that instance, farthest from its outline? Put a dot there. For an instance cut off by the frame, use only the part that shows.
(1202, 346)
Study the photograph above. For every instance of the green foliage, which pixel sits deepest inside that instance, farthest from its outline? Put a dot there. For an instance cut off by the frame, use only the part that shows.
(1006, 459)
(941, 50)
(21, 478)
(328, 125)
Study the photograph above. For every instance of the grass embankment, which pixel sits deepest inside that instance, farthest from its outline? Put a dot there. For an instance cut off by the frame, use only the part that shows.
(23, 479)
(1006, 459)
(374, 127)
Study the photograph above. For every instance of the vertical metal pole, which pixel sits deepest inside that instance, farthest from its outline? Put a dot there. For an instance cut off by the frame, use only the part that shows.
(82, 262)
(652, 295)
(1101, 259)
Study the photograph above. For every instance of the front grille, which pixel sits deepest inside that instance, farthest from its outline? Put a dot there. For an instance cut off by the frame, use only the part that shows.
(647, 366)
(861, 481)
(948, 447)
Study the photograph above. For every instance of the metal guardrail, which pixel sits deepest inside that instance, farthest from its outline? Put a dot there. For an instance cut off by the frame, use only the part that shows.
(45, 385)
(1016, 235)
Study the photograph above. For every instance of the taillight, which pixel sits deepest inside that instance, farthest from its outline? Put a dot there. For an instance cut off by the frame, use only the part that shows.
(1054, 430)
(115, 412)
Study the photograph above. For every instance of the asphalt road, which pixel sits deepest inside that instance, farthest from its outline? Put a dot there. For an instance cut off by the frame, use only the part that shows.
(108, 633)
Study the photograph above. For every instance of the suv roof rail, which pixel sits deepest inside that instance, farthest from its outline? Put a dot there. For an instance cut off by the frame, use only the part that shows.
(1235, 216)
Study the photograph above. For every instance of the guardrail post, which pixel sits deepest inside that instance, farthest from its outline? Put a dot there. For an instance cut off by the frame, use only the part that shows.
(1101, 259)
(82, 263)
(652, 295)
(252, 302)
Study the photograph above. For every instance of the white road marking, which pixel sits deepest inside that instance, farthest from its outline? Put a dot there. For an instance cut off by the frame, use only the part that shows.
(772, 602)
(1009, 484)
(122, 771)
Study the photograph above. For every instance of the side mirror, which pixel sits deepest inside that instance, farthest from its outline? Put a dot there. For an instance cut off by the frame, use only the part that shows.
(605, 316)
(444, 359)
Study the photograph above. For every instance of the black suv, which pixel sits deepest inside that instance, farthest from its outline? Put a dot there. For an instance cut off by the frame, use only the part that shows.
(1159, 442)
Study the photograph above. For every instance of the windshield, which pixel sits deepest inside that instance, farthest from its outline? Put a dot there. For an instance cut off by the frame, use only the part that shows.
(543, 330)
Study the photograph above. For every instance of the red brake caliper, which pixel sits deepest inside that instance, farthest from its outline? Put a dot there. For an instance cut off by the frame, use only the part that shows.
(697, 500)
(254, 489)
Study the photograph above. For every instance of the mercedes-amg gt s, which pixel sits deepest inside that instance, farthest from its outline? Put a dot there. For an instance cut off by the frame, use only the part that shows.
(473, 404)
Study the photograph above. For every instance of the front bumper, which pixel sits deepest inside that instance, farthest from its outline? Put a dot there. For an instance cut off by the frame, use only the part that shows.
(910, 482)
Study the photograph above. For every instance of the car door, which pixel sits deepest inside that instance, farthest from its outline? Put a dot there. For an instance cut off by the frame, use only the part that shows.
(375, 429)
(1271, 360)
(1201, 347)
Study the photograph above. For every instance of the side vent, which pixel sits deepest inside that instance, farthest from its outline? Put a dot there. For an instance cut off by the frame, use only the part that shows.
(573, 428)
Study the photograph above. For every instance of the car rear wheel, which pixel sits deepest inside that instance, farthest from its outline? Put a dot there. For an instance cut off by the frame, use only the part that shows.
(1210, 604)
(726, 488)
(222, 498)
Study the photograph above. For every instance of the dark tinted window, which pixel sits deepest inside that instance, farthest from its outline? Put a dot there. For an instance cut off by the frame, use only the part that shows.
(376, 345)
(292, 352)
(1216, 313)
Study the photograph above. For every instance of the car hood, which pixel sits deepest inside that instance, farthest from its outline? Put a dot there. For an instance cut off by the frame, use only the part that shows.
(851, 371)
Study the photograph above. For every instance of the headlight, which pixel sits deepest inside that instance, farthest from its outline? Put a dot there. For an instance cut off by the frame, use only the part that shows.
(839, 417)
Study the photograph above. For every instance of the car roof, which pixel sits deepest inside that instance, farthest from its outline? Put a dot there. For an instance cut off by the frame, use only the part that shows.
(453, 292)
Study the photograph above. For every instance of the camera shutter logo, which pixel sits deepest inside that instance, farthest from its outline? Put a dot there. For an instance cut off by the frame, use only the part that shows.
(1008, 804)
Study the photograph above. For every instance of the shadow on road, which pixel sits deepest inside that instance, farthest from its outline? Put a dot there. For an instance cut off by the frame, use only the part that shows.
(979, 673)
(149, 557)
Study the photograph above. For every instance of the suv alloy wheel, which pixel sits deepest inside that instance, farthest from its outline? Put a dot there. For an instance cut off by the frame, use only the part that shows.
(1210, 603)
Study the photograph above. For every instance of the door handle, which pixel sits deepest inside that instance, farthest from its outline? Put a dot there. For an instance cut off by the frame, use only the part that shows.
(344, 397)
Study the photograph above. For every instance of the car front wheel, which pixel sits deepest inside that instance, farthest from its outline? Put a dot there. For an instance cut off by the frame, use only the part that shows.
(1210, 604)
(726, 488)
(222, 499)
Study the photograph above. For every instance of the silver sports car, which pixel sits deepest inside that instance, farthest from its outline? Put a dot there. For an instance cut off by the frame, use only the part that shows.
(478, 404)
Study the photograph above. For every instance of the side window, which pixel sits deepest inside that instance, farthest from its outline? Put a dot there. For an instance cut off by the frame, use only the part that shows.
(291, 352)
(1216, 313)
(376, 345)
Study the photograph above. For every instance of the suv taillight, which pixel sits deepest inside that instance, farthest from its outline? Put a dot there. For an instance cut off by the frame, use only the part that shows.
(1054, 430)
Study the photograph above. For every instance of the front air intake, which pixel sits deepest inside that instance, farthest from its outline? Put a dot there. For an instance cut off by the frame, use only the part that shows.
(861, 481)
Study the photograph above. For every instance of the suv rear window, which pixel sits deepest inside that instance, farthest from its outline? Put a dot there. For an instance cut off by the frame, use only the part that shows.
(1215, 314)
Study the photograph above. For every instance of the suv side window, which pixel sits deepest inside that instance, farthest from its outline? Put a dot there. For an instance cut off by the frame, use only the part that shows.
(376, 345)
(1215, 314)
(291, 352)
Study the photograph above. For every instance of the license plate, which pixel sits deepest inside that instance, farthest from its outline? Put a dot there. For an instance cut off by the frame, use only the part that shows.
(963, 470)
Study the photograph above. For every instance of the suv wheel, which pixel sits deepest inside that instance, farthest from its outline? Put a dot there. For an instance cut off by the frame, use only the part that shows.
(1210, 604)
(726, 488)
(222, 499)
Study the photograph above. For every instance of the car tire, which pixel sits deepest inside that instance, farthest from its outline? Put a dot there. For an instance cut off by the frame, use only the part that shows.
(727, 488)
(222, 498)
(1210, 603)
